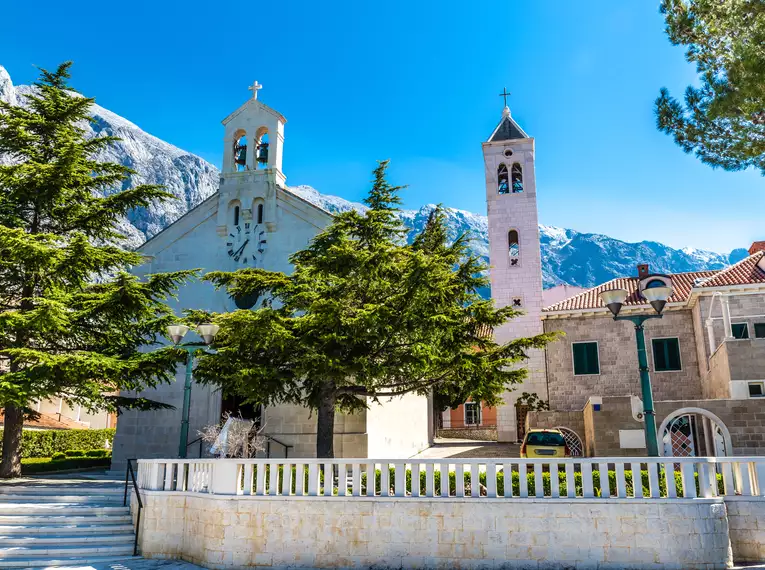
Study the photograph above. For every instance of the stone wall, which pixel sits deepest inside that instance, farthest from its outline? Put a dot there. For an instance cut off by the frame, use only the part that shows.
(619, 375)
(744, 419)
(746, 521)
(742, 308)
(747, 359)
(478, 433)
(716, 383)
(573, 420)
(234, 532)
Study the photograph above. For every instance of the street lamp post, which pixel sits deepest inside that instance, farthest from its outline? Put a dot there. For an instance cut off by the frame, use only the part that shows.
(657, 297)
(176, 333)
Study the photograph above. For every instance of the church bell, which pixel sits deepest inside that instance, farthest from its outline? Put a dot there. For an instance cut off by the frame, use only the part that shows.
(240, 154)
(263, 153)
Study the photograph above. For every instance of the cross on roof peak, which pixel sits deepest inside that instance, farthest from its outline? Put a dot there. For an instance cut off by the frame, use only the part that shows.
(505, 94)
(255, 87)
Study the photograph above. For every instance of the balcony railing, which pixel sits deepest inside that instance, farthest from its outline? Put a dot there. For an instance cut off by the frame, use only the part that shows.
(588, 478)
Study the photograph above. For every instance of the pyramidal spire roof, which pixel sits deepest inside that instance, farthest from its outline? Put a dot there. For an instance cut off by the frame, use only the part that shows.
(507, 129)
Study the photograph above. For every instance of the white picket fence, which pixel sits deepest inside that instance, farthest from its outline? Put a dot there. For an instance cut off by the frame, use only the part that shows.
(663, 477)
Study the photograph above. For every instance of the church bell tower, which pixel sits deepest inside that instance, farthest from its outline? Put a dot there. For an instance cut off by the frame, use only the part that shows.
(252, 170)
(514, 253)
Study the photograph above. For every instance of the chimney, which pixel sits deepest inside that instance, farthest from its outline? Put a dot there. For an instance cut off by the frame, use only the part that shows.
(643, 270)
(756, 246)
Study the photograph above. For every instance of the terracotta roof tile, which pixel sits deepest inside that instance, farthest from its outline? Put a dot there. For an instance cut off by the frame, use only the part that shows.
(746, 271)
(682, 282)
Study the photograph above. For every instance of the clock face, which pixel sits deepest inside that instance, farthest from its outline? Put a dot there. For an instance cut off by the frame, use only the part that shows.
(246, 244)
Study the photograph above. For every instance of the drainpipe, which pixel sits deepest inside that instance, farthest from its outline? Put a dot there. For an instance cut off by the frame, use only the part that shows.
(726, 317)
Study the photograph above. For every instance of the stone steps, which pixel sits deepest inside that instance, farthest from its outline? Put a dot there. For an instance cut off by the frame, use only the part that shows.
(47, 524)
(71, 562)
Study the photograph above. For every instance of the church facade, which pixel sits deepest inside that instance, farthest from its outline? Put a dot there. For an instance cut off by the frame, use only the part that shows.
(252, 221)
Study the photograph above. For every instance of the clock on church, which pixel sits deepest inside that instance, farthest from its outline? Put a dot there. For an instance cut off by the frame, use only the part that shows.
(247, 244)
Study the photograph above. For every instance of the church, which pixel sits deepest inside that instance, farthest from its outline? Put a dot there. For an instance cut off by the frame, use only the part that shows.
(253, 220)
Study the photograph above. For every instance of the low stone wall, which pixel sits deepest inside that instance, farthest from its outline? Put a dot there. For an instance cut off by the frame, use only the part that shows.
(478, 434)
(330, 532)
(746, 519)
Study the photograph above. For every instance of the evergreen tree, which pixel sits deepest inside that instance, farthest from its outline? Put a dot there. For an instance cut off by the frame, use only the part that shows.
(365, 316)
(72, 319)
(723, 120)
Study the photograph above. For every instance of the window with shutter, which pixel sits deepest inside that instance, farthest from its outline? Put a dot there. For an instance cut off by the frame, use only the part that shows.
(586, 359)
(666, 354)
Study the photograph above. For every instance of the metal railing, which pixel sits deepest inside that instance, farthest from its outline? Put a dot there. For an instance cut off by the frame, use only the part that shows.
(129, 473)
(286, 447)
(605, 478)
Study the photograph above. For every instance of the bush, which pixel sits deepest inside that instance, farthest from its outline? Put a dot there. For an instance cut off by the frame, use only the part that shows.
(32, 465)
(98, 453)
(75, 453)
(58, 455)
(44, 443)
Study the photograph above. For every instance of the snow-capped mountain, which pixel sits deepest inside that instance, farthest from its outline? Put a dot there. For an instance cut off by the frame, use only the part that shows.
(568, 256)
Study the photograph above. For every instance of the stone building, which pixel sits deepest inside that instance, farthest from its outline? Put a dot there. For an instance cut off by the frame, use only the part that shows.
(254, 220)
(706, 358)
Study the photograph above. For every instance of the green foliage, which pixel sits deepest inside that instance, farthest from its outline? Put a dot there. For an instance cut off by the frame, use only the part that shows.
(98, 453)
(33, 465)
(75, 453)
(44, 443)
(533, 401)
(366, 314)
(58, 455)
(723, 119)
(72, 319)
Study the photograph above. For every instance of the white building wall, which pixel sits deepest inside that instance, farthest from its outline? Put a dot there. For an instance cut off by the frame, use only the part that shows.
(398, 427)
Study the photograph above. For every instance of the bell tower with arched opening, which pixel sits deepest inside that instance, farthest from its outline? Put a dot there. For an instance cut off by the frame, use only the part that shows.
(252, 170)
(514, 253)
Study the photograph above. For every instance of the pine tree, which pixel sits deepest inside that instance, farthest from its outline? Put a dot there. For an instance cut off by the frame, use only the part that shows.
(723, 120)
(72, 319)
(365, 316)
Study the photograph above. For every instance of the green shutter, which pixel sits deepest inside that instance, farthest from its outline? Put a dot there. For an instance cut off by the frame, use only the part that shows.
(759, 330)
(666, 354)
(586, 358)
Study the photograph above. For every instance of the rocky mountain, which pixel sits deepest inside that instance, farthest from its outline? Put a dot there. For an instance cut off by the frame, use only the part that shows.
(568, 256)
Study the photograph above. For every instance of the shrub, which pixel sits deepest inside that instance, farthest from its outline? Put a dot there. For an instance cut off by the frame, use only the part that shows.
(75, 453)
(44, 443)
(32, 465)
(58, 455)
(98, 453)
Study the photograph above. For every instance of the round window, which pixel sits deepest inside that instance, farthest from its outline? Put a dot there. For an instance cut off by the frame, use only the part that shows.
(508, 153)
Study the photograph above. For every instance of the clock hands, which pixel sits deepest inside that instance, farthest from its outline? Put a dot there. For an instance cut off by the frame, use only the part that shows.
(238, 253)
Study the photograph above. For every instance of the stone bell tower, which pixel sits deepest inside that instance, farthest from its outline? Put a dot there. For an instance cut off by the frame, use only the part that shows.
(252, 169)
(514, 253)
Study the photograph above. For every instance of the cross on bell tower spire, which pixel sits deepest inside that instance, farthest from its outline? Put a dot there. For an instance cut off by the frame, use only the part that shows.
(255, 87)
(505, 94)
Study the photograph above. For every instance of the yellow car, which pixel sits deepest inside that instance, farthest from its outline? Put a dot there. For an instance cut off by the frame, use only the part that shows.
(544, 443)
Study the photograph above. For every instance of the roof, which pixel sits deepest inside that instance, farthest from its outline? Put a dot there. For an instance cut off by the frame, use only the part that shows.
(748, 271)
(682, 283)
(45, 421)
(507, 130)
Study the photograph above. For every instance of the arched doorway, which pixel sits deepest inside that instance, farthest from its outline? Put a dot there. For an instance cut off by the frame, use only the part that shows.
(573, 441)
(694, 432)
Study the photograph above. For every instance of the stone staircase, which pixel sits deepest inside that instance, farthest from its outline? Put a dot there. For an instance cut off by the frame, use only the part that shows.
(50, 522)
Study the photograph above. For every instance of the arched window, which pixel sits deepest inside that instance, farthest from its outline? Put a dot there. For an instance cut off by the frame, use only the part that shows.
(240, 151)
(517, 178)
(236, 215)
(502, 180)
(514, 247)
(261, 150)
(260, 214)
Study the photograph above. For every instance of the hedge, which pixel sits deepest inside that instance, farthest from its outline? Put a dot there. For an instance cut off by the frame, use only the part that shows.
(44, 443)
(34, 465)
(530, 482)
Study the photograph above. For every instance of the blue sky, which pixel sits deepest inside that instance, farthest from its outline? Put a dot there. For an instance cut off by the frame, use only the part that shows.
(416, 82)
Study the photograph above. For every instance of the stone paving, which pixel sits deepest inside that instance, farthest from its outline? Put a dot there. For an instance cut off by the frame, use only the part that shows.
(136, 564)
(443, 448)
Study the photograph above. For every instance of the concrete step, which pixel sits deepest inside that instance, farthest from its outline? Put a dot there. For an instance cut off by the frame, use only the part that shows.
(64, 562)
(73, 509)
(115, 499)
(65, 551)
(63, 519)
(58, 490)
(98, 527)
(35, 541)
